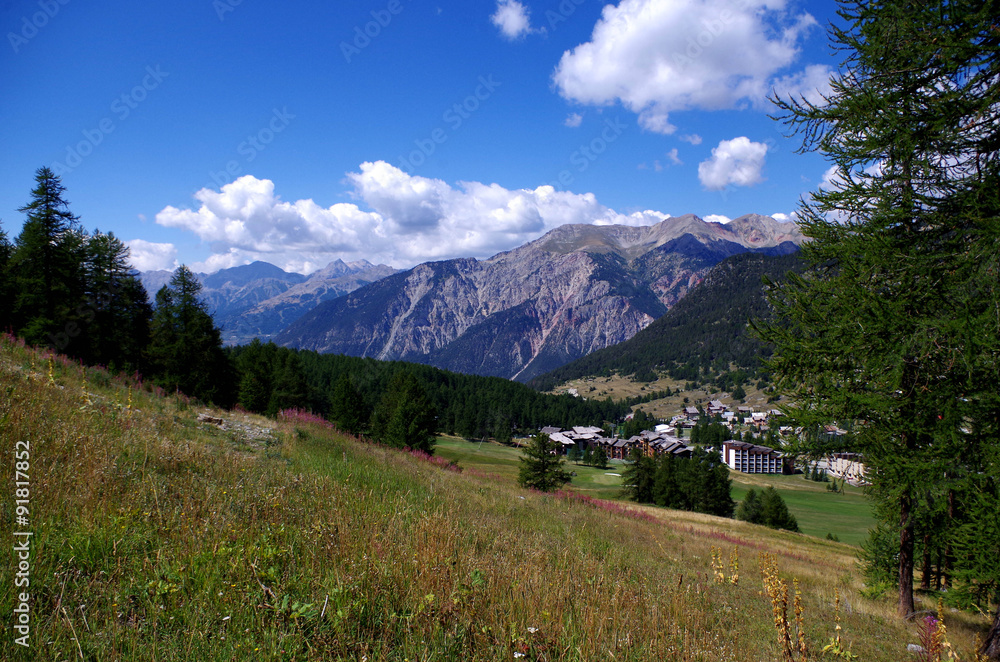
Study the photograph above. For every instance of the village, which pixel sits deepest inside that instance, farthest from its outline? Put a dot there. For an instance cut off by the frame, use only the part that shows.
(738, 452)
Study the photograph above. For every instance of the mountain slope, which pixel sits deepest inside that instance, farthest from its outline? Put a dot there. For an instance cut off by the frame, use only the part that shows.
(577, 289)
(257, 300)
(246, 538)
(708, 327)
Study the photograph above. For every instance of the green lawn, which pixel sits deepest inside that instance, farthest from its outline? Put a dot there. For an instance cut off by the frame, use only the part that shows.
(818, 511)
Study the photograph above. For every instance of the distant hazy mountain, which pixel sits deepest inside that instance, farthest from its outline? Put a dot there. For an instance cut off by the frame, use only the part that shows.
(259, 299)
(577, 289)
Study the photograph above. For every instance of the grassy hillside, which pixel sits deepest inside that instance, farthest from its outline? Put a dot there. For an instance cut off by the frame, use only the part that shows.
(159, 537)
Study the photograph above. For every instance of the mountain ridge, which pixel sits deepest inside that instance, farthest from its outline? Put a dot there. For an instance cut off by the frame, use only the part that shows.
(576, 289)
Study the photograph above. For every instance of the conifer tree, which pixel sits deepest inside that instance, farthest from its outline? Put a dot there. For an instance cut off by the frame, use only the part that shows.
(542, 466)
(405, 416)
(639, 477)
(599, 458)
(347, 407)
(750, 508)
(6, 291)
(254, 364)
(890, 325)
(46, 268)
(117, 307)
(186, 347)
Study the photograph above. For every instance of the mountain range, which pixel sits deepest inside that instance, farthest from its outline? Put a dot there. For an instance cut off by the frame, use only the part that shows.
(521, 313)
(258, 300)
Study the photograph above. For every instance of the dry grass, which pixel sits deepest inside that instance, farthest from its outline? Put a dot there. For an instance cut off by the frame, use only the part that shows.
(618, 387)
(158, 538)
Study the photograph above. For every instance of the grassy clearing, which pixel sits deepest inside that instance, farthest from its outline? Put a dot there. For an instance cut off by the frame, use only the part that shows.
(818, 511)
(157, 537)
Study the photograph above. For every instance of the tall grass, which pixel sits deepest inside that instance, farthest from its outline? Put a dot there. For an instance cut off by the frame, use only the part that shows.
(157, 537)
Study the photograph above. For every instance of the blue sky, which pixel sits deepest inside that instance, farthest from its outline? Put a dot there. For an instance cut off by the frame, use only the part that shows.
(217, 132)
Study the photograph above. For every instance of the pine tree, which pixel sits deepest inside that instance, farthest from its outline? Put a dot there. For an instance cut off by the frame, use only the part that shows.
(890, 325)
(347, 407)
(185, 345)
(405, 417)
(117, 307)
(254, 365)
(600, 458)
(750, 508)
(542, 466)
(6, 289)
(639, 477)
(46, 269)
(774, 512)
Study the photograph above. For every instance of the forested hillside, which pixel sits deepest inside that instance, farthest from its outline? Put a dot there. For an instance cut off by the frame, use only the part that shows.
(349, 390)
(706, 330)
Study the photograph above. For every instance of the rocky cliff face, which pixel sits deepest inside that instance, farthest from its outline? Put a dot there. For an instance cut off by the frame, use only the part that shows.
(518, 314)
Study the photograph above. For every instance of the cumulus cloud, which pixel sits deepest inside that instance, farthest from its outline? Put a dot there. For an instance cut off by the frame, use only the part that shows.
(656, 57)
(512, 19)
(692, 138)
(717, 218)
(406, 219)
(149, 256)
(574, 120)
(785, 218)
(738, 162)
(674, 158)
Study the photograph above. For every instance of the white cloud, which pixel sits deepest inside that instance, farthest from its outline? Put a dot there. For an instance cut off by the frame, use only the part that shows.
(412, 219)
(812, 84)
(149, 256)
(657, 57)
(674, 158)
(574, 120)
(692, 138)
(786, 218)
(738, 162)
(247, 221)
(512, 18)
(830, 180)
(717, 218)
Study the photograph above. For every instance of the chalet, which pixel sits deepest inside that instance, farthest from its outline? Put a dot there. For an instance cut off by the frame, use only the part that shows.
(716, 408)
(753, 459)
(848, 466)
(692, 413)
(549, 430)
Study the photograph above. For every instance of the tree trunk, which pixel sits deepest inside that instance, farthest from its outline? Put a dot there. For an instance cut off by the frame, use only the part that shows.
(925, 573)
(945, 569)
(905, 608)
(991, 647)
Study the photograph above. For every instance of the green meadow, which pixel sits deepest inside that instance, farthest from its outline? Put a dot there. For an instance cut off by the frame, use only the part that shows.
(818, 511)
